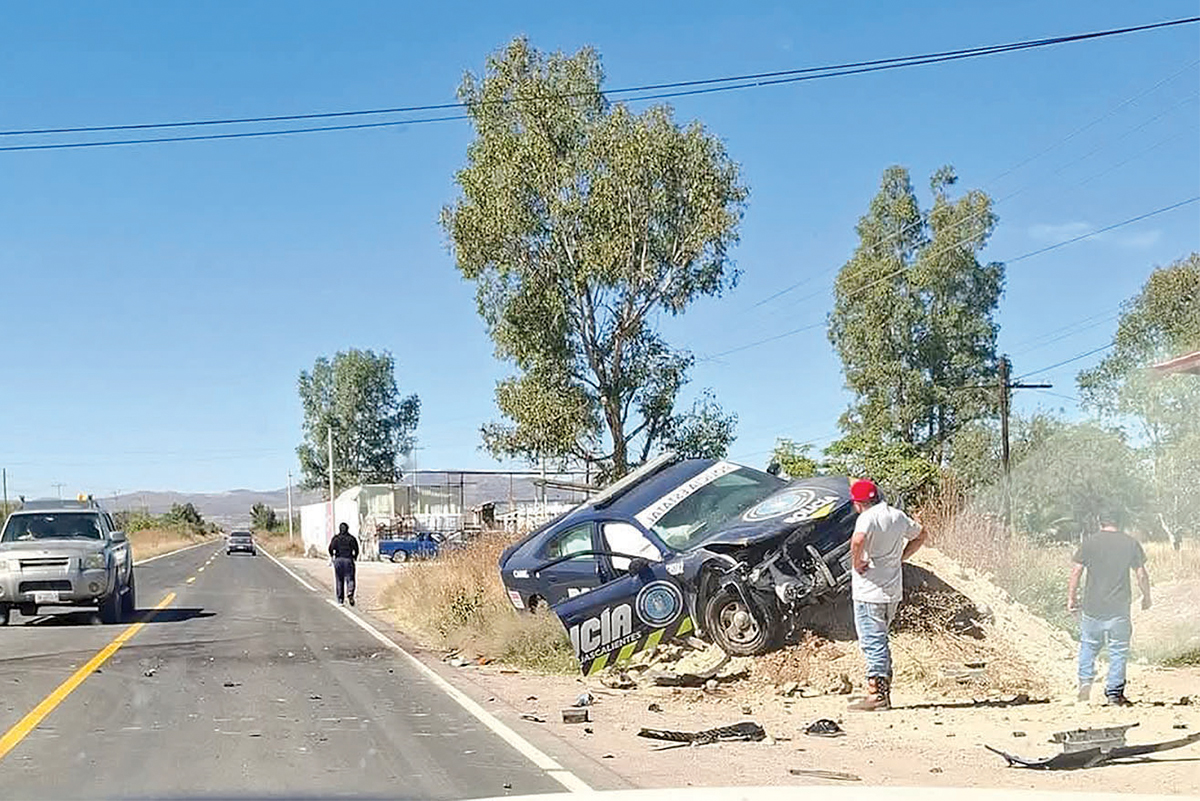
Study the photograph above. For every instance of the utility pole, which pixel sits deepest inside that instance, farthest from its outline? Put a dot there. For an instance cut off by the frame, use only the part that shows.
(58, 485)
(332, 514)
(291, 537)
(1006, 387)
(5, 474)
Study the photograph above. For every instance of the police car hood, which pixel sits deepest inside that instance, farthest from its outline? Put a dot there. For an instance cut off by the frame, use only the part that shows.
(805, 500)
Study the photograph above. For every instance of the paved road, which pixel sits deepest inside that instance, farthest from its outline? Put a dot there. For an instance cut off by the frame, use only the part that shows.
(246, 684)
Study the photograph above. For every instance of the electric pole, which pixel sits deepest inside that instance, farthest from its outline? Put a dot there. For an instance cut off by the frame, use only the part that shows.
(290, 535)
(332, 514)
(58, 485)
(1006, 387)
(5, 474)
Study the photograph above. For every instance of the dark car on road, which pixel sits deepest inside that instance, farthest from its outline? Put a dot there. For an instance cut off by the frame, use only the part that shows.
(241, 541)
(684, 545)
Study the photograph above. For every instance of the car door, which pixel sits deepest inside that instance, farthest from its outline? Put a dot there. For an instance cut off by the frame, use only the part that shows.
(571, 577)
(631, 613)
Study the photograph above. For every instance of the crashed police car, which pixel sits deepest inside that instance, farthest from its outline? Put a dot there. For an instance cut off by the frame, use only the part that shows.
(683, 545)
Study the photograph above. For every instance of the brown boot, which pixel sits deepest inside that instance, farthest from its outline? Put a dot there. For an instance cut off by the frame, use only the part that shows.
(878, 696)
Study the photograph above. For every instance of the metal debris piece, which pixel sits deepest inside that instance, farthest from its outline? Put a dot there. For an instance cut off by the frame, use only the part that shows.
(834, 775)
(574, 715)
(585, 699)
(824, 727)
(532, 717)
(746, 731)
(1086, 748)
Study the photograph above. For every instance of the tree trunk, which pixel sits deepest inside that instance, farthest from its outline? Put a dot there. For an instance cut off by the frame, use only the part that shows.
(616, 429)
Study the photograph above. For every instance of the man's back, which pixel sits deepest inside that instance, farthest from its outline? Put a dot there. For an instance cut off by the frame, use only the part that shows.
(1109, 556)
(343, 546)
(887, 531)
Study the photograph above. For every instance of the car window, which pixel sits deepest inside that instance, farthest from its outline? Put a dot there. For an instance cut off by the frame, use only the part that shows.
(722, 499)
(53, 526)
(626, 538)
(571, 541)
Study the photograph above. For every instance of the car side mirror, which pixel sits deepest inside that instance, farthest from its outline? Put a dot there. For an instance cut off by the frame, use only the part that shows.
(119, 536)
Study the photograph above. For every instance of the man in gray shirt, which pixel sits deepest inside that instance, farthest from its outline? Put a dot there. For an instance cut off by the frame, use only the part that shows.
(1108, 556)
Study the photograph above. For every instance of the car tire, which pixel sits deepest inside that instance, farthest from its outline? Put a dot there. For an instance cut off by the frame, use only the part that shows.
(5, 611)
(129, 600)
(110, 608)
(399, 556)
(735, 628)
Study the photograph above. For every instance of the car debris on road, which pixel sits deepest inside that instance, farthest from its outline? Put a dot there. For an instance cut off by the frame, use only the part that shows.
(747, 731)
(1087, 748)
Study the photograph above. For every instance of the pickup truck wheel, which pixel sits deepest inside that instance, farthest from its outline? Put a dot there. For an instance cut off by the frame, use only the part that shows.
(735, 627)
(399, 556)
(110, 608)
(129, 600)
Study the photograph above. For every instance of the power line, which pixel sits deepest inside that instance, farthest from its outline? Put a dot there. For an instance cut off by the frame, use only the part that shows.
(1075, 358)
(906, 268)
(677, 89)
(1057, 143)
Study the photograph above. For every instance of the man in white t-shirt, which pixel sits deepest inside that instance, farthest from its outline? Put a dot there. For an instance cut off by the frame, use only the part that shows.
(883, 538)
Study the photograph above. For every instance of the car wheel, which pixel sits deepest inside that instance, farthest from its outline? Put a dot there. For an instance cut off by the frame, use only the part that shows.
(400, 556)
(110, 608)
(129, 599)
(735, 627)
(5, 611)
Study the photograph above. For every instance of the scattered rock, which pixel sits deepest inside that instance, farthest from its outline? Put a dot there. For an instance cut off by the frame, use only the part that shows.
(1184, 701)
(232, 684)
(1180, 726)
(1018, 734)
(532, 717)
(935, 770)
(788, 689)
(618, 681)
(149, 672)
(843, 686)
(710, 685)
(457, 661)
(654, 708)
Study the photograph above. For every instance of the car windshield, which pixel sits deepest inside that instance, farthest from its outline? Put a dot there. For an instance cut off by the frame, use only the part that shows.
(52, 526)
(720, 500)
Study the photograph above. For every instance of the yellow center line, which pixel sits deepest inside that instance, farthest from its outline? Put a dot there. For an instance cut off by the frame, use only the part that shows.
(191, 579)
(31, 721)
(201, 570)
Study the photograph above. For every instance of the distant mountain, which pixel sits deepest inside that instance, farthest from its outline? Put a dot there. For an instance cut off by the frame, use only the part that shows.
(231, 509)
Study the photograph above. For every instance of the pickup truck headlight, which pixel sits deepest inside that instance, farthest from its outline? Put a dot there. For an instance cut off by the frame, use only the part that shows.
(94, 561)
(8, 564)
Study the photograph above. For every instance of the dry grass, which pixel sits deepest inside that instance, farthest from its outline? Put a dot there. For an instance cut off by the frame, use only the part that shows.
(155, 541)
(1167, 564)
(278, 544)
(457, 602)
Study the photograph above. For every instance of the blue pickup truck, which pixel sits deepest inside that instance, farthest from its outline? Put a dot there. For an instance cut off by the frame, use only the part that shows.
(420, 545)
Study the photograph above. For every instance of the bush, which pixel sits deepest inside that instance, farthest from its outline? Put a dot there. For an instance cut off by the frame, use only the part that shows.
(458, 602)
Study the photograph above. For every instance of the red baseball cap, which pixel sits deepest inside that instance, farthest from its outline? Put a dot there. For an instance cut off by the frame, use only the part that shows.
(863, 490)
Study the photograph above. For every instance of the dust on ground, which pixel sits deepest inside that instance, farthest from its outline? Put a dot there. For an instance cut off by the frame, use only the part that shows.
(972, 668)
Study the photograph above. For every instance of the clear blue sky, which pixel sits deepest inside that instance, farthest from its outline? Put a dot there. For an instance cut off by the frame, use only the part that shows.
(159, 301)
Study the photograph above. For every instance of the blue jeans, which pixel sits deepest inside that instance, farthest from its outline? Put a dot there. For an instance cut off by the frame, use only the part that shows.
(1093, 634)
(871, 622)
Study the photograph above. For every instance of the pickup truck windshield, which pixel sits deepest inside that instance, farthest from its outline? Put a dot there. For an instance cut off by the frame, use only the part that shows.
(702, 512)
(52, 526)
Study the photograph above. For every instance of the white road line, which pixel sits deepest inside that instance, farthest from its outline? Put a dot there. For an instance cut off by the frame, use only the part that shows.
(289, 571)
(170, 553)
(531, 752)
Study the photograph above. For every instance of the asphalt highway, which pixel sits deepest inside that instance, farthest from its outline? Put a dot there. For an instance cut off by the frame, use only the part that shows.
(243, 684)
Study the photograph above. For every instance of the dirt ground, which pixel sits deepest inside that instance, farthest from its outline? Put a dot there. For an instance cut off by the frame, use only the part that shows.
(934, 736)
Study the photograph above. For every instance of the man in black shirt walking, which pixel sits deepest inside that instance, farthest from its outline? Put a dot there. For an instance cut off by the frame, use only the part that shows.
(1107, 556)
(343, 549)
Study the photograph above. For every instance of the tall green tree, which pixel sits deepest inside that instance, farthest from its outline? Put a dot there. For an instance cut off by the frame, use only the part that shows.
(580, 223)
(913, 324)
(355, 395)
(1162, 412)
(263, 517)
